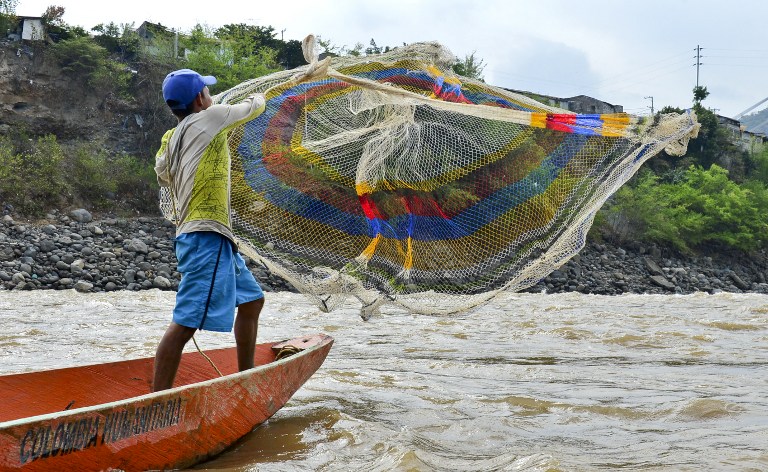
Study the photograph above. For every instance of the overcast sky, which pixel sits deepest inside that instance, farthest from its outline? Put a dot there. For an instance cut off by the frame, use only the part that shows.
(619, 51)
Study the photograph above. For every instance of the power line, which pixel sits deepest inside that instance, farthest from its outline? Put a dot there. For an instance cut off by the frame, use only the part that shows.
(641, 76)
(656, 69)
(740, 50)
(642, 81)
(635, 73)
(740, 57)
(538, 79)
(641, 71)
(735, 65)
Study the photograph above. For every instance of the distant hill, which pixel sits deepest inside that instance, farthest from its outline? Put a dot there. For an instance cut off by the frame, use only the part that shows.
(756, 122)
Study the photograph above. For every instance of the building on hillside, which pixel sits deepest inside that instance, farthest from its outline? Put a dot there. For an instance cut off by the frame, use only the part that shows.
(28, 28)
(746, 140)
(581, 104)
(149, 31)
(753, 142)
(159, 40)
(584, 105)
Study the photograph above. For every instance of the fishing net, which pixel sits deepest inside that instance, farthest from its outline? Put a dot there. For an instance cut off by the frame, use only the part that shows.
(390, 179)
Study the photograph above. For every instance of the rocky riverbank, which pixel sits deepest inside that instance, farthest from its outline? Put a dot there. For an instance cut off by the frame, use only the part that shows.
(73, 251)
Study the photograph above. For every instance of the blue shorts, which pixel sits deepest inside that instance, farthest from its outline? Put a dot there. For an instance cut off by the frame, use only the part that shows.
(214, 280)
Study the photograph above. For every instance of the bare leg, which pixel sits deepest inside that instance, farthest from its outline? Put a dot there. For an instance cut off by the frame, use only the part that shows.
(246, 325)
(168, 355)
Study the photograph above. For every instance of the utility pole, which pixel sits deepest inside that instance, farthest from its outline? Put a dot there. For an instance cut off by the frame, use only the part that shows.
(651, 104)
(281, 34)
(698, 62)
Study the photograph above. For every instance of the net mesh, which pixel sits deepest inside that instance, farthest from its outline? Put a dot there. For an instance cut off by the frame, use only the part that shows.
(390, 179)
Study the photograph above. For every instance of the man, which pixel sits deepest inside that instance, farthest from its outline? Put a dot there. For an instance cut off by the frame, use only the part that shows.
(194, 162)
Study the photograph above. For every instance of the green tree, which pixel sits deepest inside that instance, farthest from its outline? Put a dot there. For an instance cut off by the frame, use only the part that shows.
(108, 37)
(8, 7)
(705, 208)
(56, 28)
(699, 94)
(327, 47)
(71, 32)
(290, 54)
(246, 40)
(373, 48)
(201, 36)
(129, 43)
(471, 67)
(229, 71)
(54, 17)
(713, 145)
(357, 50)
(8, 15)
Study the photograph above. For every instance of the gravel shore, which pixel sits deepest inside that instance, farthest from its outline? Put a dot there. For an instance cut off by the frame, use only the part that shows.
(76, 252)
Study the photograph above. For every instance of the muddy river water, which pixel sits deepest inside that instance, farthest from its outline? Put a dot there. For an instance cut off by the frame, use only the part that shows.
(564, 382)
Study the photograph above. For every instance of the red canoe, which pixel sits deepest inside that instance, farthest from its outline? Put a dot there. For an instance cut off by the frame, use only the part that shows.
(100, 417)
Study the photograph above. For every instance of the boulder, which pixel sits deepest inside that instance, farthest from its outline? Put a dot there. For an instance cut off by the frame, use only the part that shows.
(652, 267)
(737, 281)
(83, 286)
(46, 245)
(137, 245)
(161, 282)
(662, 282)
(81, 215)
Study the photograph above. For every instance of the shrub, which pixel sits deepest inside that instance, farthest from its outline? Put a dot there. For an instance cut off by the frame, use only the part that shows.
(758, 166)
(113, 183)
(32, 180)
(45, 176)
(82, 57)
(705, 208)
(91, 176)
(136, 184)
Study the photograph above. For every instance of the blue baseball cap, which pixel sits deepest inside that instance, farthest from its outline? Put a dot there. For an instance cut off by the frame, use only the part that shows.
(180, 87)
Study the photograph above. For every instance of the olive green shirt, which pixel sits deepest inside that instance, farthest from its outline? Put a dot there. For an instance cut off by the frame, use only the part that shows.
(194, 161)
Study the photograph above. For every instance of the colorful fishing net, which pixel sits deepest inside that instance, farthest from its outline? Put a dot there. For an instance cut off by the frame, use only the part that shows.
(390, 179)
